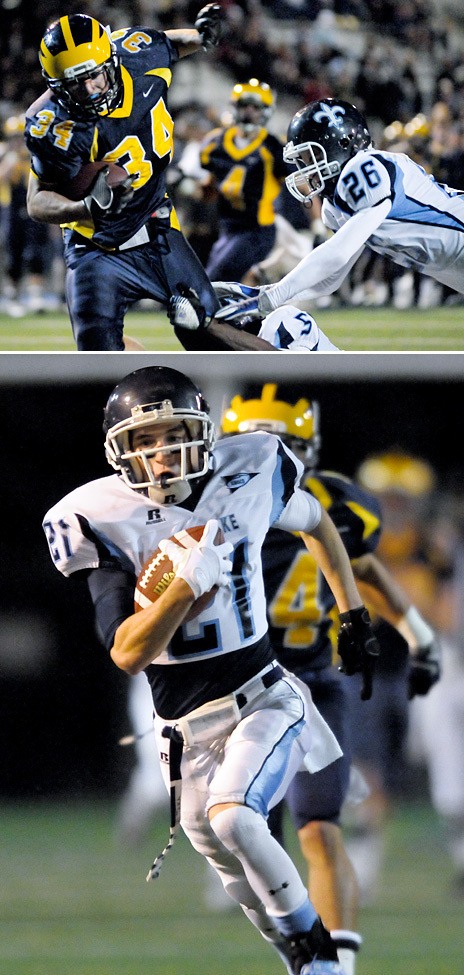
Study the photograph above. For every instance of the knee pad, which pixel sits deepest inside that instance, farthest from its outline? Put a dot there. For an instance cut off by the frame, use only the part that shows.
(235, 827)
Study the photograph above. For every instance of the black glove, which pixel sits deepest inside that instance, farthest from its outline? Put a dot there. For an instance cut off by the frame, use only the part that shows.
(209, 25)
(358, 647)
(103, 199)
(186, 311)
(424, 669)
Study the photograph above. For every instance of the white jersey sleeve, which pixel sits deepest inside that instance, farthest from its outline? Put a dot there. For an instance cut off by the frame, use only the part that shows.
(303, 509)
(322, 271)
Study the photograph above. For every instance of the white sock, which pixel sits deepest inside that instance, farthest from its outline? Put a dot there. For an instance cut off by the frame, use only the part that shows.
(348, 944)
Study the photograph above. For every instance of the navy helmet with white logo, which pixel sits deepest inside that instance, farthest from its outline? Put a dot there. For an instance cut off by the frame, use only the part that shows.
(322, 137)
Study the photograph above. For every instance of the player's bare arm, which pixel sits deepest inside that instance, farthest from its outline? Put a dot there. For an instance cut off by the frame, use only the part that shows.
(389, 600)
(206, 34)
(326, 547)
(46, 205)
(196, 571)
(143, 636)
(220, 337)
(187, 41)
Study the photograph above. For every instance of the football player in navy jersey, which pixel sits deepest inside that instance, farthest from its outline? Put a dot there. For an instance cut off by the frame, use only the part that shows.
(302, 630)
(246, 727)
(246, 173)
(107, 100)
(382, 200)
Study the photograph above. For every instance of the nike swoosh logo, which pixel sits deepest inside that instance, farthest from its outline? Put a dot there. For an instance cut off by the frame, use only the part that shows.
(146, 93)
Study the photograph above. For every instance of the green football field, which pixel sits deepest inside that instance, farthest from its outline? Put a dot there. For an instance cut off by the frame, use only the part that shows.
(353, 330)
(74, 903)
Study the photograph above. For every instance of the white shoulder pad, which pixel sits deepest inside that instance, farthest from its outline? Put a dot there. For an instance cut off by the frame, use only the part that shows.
(364, 182)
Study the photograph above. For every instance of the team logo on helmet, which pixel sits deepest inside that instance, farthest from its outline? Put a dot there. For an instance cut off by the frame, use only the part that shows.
(334, 115)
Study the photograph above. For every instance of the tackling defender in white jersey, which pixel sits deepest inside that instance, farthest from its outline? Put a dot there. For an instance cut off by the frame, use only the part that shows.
(246, 725)
(371, 198)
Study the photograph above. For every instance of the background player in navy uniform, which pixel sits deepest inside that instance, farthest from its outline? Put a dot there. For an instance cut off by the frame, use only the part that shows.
(28, 246)
(247, 171)
(160, 440)
(372, 198)
(412, 549)
(107, 99)
(302, 624)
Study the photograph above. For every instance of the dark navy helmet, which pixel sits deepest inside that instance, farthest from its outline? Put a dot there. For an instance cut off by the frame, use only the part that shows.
(322, 137)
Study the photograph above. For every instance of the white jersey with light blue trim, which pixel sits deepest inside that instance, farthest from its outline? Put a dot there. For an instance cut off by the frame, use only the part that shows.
(293, 330)
(254, 485)
(424, 229)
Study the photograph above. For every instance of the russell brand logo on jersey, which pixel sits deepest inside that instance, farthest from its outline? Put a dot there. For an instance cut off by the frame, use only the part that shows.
(154, 517)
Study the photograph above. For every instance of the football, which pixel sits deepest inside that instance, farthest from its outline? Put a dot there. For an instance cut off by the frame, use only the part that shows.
(78, 187)
(158, 572)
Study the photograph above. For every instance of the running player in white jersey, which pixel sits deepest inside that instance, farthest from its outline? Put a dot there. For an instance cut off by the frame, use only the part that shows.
(372, 198)
(246, 725)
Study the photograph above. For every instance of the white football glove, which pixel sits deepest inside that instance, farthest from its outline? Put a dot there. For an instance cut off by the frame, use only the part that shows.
(103, 199)
(203, 566)
(186, 311)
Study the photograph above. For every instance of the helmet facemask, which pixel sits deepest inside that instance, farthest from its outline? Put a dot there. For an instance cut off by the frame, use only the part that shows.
(252, 95)
(306, 450)
(244, 119)
(72, 94)
(189, 458)
(313, 170)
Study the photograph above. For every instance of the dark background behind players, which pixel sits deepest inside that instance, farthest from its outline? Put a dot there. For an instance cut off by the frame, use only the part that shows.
(55, 679)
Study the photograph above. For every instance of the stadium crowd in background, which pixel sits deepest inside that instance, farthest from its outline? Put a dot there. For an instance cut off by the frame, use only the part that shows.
(401, 64)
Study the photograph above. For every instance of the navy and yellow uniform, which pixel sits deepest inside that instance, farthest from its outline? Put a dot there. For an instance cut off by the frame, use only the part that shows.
(140, 252)
(27, 243)
(300, 605)
(249, 179)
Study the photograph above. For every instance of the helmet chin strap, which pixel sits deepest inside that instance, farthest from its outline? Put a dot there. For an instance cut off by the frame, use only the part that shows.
(173, 494)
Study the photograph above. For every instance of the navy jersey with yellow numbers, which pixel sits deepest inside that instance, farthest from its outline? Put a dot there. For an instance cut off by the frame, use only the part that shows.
(249, 179)
(299, 600)
(137, 135)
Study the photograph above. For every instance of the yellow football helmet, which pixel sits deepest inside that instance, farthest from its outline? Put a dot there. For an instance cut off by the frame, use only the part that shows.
(297, 425)
(14, 126)
(72, 50)
(397, 472)
(404, 485)
(251, 94)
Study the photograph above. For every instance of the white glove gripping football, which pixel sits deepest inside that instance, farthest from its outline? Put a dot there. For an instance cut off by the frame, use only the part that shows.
(103, 199)
(203, 566)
